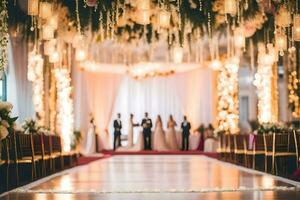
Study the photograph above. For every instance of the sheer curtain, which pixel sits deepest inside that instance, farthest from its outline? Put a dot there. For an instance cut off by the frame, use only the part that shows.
(188, 93)
(19, 91)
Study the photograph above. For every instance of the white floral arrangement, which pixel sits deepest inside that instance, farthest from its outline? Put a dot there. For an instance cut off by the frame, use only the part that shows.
(7, 123)
(30, 126)
(3, 34)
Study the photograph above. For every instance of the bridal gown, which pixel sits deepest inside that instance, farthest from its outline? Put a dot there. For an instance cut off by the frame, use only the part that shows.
(130, 134)
(90, 147)
(159, 142)
(171, 136)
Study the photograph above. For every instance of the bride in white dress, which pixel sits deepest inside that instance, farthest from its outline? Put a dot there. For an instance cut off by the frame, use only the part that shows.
(171, 134)
(90, 147)
(159, 141)
(130, 131)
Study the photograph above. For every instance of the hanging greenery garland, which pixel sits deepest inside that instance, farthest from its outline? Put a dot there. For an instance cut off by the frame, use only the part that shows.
(3, 34)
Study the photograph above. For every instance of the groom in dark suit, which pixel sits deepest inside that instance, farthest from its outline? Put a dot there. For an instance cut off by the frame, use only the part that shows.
(147, 125)
(185, 127)
(117, 132)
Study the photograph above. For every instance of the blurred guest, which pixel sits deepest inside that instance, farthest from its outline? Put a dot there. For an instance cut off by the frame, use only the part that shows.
(201, 131)
(117, 132)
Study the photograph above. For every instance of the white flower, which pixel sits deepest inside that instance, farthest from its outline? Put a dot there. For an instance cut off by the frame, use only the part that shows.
(5, 123)
(3, 132)
(6, 105)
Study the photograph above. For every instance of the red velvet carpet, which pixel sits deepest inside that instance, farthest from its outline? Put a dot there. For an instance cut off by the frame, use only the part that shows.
(192, 152)
(83, 160)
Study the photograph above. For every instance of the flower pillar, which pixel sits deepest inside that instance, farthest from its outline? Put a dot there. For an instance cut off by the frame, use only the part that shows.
(65, 115)
(266, 84)
(228, 103)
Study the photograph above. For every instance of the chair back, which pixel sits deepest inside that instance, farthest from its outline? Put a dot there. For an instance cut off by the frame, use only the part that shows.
(258, 143)
(240, 142)
(38, 144)
(24, 144)
(284, 142)
(56, 144)
(47, 144)
(4, 156)
(269, 141)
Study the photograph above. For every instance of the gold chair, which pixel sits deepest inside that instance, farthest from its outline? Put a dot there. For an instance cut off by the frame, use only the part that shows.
(257, 151)
(240, 148)
(279, 145)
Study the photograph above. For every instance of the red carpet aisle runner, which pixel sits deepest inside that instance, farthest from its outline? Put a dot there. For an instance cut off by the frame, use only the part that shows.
(83, 160)
(209, 154)
(296, 175)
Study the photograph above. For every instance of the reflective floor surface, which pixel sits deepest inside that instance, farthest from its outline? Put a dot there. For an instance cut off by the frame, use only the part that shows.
(158, 177)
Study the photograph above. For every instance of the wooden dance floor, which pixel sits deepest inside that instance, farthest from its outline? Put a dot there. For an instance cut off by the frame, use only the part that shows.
(139, 177)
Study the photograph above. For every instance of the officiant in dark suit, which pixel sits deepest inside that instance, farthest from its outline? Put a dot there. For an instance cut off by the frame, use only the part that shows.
(147, 125)
(185, 127)
(117, 132)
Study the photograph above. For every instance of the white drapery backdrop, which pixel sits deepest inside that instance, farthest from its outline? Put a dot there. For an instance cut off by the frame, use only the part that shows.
(105, 95)
(19, 91)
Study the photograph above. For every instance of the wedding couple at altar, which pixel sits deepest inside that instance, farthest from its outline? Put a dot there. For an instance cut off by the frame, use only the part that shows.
(159, 139)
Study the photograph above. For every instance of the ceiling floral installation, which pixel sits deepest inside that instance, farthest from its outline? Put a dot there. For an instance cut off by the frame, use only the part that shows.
(146, 38)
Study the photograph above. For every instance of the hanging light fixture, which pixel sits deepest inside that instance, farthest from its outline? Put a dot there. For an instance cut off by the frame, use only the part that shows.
(54, 57)
(49, 46)
(215, 64)
(91, 3)
(45, 10)
(47, 32)
(164, 19)
(281, 42)
(143, 4)
(143, 17)
(239, 38)
(177, 54)
(53, 21)
(296, 27)
(230, 7)
(33, 7)
(80, 54)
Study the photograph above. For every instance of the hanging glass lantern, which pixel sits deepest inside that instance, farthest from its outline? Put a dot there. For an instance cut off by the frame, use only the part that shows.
(283, 17)
(164, 19)
(47, 32)
(143, 17)
(230, 7)
(143, 4)
(239, 38)
(281, 42)
(80, 54)
(33, 7)
(49, 46)
(296, 28)
(45, 10)
(91, 3)
(54, 57)
(53, 21)
(177, 54)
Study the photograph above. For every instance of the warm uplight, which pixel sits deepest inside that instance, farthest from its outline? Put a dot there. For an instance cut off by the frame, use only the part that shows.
(143, 17)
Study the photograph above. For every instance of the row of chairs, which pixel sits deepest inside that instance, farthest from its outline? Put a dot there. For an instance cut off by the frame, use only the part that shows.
(277, 153)
(27, 157)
